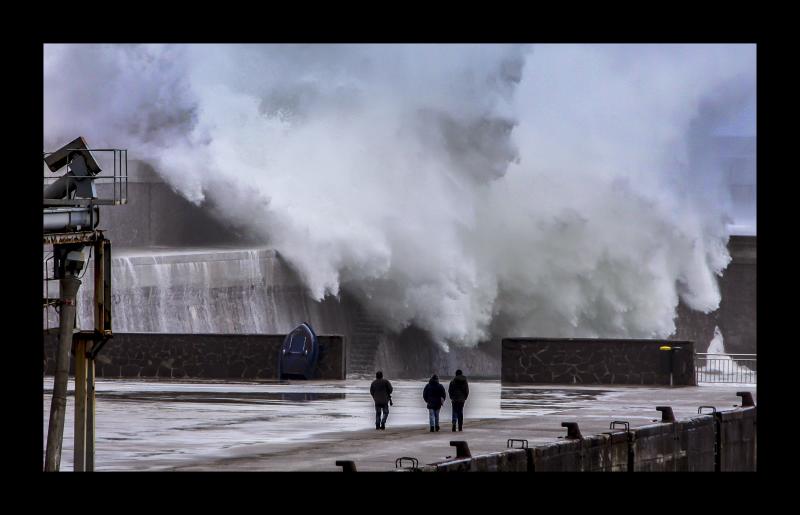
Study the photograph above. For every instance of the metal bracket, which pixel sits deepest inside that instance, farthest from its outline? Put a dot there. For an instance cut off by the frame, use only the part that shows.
(700, 409)
(510, 443)
(92, 354)
(398, 463)
(617, 422)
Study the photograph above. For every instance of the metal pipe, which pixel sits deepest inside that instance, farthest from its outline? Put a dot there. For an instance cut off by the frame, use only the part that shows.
(73, 218)
(55, 430)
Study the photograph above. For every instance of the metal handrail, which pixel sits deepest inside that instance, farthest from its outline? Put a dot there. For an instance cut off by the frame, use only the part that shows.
(118, 179)
(721, 354)
(717, 367)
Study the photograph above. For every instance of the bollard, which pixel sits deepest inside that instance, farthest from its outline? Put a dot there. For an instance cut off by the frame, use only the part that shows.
(666, 414)
(462, 449)
(573, 432)
(747, 399)
(347, 465)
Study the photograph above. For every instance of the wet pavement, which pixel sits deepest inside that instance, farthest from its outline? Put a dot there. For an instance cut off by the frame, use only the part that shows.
(308, 425)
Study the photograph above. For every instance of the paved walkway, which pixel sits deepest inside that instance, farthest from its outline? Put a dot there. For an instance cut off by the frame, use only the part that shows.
(373, 450)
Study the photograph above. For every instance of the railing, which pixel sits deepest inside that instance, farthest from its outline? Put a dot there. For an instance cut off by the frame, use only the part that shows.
(113, 178)
(725, 368)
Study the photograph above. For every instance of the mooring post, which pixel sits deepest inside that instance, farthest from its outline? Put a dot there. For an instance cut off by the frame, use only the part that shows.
(573, 431)
(747, 399)
(347, 465)
(667, 414)
(58, 406)
(79, 447)
(462, 449)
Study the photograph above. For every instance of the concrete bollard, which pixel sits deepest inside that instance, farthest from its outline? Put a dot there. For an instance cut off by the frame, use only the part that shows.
(666, 414)
(347, 465)
(462, 449)
(573, 432)
(747, 399)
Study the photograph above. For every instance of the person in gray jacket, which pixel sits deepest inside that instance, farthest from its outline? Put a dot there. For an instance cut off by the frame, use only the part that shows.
(459, 391)
(381, 391)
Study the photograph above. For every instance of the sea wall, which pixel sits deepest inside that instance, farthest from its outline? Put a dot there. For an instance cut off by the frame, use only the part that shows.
(596, 361)
(719, 442)
(202, 356)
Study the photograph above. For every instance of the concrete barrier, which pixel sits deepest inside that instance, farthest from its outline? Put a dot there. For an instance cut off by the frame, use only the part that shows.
(722, 441)
(619, 455)
(596, 454)
(607, 452)
(511, 460)
(653, 448)
(564, 456)
(695, 441)
(736, 439)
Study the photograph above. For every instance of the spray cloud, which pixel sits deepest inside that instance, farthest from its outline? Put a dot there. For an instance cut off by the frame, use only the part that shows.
(553, 190)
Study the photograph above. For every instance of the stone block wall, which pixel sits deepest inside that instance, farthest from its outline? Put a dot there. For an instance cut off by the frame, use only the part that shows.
(206, 356)
(595, 361)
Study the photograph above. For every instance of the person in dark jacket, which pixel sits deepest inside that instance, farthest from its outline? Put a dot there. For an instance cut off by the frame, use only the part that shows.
(459, 391)
(381, 391)
(434, 395)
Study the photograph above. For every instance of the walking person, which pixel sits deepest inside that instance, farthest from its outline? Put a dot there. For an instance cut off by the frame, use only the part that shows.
(434, 396)
(459, 391)
(381, 391)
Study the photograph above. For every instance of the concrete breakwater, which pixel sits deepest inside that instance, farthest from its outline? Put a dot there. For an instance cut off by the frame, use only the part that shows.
(253, 291)
(248, 292)
(723, 441)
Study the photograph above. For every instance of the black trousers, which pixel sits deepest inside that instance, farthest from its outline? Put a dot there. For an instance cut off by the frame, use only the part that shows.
(378, 409)
(458, 412)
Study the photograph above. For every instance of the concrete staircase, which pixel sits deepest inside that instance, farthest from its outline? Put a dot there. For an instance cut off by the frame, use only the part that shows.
(363, 345)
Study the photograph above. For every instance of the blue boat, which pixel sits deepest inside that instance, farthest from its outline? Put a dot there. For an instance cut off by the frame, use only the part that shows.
(299, 353)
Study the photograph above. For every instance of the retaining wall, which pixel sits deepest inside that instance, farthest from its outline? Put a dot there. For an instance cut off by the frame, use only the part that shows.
(596, 361)
(723, 441)
(512, 460)
(736, 439)
(207, 356)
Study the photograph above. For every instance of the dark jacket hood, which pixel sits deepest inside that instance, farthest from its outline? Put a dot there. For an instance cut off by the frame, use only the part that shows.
(434, 379)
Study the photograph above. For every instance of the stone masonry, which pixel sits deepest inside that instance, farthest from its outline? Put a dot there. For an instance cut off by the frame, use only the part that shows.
(595, 361)
(207, 356)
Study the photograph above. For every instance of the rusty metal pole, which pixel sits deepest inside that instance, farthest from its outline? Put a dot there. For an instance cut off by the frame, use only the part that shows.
(58, 406)
(79, 446)
(100, 263)
(90, 406)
